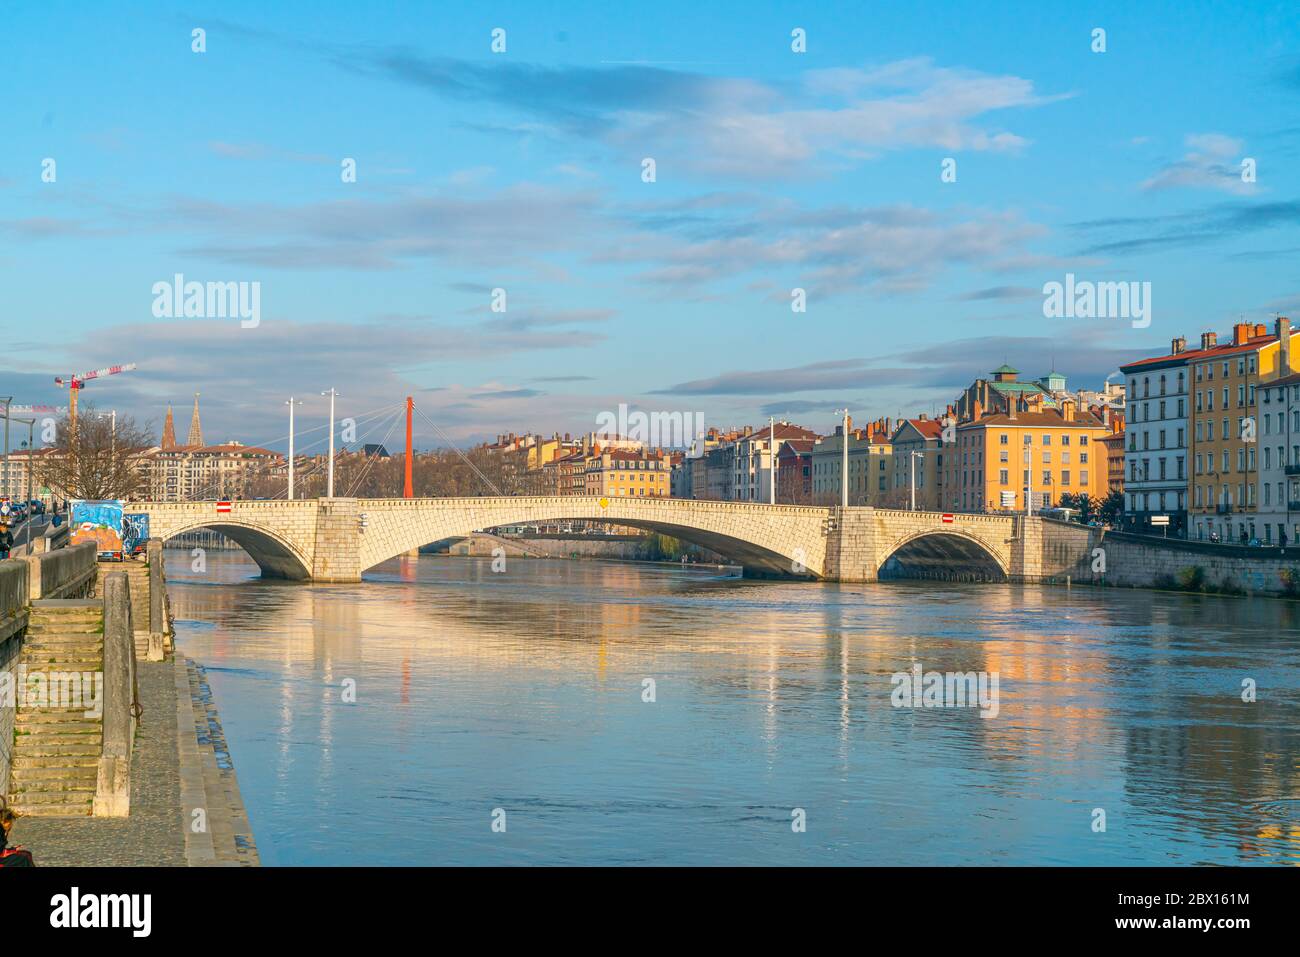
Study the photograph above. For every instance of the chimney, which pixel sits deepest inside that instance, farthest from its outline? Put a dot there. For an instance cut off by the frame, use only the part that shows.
(1283, 330)
(1067, 410)
(1260, 330)
(1179, 345)
(922, 418)
(1240, 333)
(1105, 415)
(1209, 340)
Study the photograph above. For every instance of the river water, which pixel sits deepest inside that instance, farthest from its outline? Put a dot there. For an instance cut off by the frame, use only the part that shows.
(520, 698)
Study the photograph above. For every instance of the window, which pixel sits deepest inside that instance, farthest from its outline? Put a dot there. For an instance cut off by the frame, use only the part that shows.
(1002, 476)
(1002, 438)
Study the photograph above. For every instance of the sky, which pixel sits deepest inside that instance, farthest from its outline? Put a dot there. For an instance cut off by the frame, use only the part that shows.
(524, 171)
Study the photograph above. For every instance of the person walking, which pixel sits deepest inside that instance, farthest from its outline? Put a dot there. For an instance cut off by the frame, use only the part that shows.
(6, 542)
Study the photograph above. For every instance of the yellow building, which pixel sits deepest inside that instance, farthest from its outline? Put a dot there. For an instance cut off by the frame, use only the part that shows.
(1225, 431)
(1047, 453)
(627, 473)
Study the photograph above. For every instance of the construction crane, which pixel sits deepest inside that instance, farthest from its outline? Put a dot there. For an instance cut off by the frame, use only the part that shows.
(76, 383)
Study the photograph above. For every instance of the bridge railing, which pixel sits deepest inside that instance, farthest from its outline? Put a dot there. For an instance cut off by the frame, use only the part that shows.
(548, 500)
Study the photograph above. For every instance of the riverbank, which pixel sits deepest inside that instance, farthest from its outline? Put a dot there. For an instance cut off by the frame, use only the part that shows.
(180, 764)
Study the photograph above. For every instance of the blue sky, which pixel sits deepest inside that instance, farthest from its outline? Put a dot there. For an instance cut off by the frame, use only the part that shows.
(522, 170)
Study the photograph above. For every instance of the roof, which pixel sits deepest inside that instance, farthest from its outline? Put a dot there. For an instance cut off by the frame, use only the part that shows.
(230, 447)
(1005, 369)
(1051, 419)
(929, 428)
(799, 446)
(1017, 387)
(1198, 355)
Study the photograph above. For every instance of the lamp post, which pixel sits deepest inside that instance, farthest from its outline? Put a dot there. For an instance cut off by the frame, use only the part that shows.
(291, 403)
(844, 460)
(333, 394)
(914, 457)
(8, 401)
(771, 454)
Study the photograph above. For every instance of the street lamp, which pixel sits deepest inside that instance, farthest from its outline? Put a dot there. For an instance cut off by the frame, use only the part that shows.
(291, 403)
(914, 456)
(333, 394)
(771, 452)
(844, 462)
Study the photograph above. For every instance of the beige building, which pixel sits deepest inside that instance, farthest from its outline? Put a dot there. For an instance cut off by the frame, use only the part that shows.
(620, 472)
(917, 453)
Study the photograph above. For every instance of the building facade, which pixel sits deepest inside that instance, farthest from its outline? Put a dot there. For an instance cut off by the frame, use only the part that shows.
(917, 452)
(1226, 428)
(1156, 433)
(1008, 460)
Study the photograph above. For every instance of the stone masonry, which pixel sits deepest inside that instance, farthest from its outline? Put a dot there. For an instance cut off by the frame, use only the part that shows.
(335, 540)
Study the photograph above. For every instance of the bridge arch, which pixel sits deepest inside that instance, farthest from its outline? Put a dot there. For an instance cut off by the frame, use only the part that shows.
(276, 556)
(944, 553)
(772, 540)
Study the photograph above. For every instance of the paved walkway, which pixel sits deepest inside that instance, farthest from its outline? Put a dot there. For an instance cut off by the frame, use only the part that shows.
(172, 776)
(152, 834)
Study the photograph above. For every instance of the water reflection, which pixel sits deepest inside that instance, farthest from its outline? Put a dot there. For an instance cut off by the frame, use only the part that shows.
(523, 690)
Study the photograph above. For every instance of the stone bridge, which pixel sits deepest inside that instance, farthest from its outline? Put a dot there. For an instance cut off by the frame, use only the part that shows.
(336, 540)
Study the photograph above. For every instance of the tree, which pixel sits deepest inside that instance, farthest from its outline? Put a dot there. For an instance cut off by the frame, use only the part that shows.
(106, 459)
(1112, 507)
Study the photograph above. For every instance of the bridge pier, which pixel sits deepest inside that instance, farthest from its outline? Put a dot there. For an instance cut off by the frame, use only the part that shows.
(852, 549)
(336, 557)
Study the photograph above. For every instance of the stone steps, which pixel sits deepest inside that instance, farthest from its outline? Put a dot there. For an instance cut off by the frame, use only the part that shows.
(55, 761)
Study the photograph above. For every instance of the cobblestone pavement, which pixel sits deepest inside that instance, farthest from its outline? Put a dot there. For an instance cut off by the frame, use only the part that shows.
(172, 777)
(152, 835)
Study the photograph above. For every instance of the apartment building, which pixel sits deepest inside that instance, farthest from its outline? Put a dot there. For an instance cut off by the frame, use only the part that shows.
(794, 472)
(1279, 460)
(1009, 459)
(1226, 428)
(1157, 434)
(753, 460)
(917, 451)
(870, 464)
(621, 472)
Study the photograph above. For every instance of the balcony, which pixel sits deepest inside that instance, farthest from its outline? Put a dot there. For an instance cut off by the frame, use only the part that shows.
(1293, 469)
(1223, 508)
(1293, 506)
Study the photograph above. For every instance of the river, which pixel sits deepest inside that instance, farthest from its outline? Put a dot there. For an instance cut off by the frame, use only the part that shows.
(408, 719)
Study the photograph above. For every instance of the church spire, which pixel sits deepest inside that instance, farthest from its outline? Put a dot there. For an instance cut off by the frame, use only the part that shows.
(169, 432)
(196, 431)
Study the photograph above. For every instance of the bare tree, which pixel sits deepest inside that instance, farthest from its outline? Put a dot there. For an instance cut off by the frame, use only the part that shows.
(106, 459)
